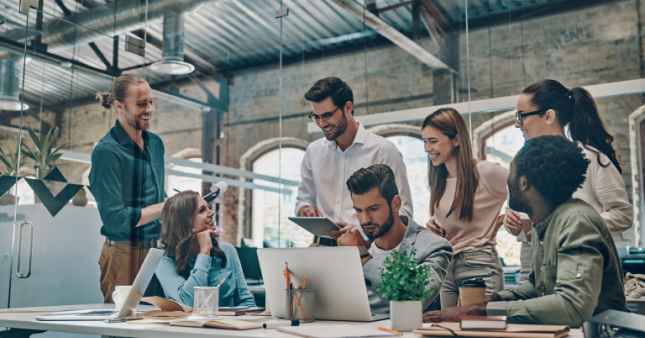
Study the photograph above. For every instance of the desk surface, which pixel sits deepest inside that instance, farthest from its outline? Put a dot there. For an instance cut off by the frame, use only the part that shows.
(24, 318)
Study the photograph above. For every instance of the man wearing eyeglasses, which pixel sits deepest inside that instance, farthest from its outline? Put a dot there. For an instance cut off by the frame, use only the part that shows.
(346, 147)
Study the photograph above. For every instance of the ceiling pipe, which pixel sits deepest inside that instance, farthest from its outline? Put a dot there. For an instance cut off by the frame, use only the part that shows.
(173, 47)
(10, 85)
(106, 21)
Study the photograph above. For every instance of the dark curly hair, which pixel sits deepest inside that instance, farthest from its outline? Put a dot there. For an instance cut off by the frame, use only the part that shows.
(555, 166)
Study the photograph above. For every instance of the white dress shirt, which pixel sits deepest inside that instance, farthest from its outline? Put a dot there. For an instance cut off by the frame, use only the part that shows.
(326, 168)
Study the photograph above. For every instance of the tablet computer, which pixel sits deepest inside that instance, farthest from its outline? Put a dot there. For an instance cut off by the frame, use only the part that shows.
(319, 226)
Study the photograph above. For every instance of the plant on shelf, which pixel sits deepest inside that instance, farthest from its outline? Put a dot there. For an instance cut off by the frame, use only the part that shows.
(405, 283)
(45, 152)
(10, 162)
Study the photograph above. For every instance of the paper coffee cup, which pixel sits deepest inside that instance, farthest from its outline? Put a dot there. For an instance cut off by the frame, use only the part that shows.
(472, 291)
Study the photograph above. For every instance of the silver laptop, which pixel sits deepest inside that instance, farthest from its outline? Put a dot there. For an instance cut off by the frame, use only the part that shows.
(139, 287)
(334, 273)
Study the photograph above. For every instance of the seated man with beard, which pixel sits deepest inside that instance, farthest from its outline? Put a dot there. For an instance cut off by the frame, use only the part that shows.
(575, 271)
(376, 201)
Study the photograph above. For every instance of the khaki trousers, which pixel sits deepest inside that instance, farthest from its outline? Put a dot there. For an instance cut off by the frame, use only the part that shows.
(119, 264)
(480, 262)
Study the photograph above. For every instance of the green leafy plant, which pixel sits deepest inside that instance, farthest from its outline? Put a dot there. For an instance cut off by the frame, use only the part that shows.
(10, 162)
(45, 152)
(402, 279)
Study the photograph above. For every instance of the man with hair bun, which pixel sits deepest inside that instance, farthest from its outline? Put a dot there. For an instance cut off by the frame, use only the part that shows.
(127, 180)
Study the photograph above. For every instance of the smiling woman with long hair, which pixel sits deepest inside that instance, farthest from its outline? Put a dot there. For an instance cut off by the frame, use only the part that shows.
(194, 256)
(465, 199)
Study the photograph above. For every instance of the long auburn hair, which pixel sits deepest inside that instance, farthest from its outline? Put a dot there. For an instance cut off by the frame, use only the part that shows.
(450, 123)
(576, 107)
(177, 236)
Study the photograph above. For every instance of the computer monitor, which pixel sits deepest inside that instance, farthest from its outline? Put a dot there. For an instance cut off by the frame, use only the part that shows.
(250, 264)
(334, 273)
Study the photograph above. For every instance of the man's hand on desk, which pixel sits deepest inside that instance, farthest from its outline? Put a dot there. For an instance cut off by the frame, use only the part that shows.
(455, 313)
(308, 211)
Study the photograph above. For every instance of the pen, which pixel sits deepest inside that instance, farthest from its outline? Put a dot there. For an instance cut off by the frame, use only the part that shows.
(389, 330)
(287, 277)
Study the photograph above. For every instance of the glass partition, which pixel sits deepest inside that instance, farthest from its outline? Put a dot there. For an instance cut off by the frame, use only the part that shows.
(241, 117)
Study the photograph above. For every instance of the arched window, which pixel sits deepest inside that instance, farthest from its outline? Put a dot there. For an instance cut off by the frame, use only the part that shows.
(270, 226)
(408, 140)
(497, 140)
(262, 214)
(175, 183)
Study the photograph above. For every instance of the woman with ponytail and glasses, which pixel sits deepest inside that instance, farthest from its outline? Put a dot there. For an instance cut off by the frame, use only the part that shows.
(194, 256)
(547, 108)
(466, 198)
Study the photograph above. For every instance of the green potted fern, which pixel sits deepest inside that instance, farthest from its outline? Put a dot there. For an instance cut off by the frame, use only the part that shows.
(405, 283)
(45, 152)
(10, 162)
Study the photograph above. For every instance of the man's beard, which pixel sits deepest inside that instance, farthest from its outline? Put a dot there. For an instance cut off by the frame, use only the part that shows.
(383, 229)
(339, 129)
(133, 121)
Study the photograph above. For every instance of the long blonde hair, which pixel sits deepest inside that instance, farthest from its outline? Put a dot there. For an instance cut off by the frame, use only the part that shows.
(450, 123)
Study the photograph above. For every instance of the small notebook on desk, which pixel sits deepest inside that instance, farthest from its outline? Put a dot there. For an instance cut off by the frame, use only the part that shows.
(511, 331)
(483, 323)
(335, 331)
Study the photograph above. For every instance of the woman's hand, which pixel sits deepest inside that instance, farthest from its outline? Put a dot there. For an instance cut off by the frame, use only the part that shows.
(205, 241)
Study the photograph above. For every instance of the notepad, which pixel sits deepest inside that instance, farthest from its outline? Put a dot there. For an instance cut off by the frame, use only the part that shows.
(512, 331)
(335, 331)
(483, 323)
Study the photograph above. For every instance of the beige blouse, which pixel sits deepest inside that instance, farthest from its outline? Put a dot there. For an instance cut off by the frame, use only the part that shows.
(604, 189)
(481, 231)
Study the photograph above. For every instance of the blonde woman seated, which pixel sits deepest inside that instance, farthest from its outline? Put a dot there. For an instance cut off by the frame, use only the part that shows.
(194, 257)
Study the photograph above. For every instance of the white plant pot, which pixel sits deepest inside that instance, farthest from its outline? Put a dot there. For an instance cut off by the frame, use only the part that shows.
(406, 315)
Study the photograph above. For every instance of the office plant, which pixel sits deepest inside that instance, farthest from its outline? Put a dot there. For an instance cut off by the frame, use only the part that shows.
(405, 283)
(45, 152)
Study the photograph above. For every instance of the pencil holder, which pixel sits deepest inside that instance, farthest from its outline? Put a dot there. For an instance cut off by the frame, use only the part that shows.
(297, 304)
(303, 304)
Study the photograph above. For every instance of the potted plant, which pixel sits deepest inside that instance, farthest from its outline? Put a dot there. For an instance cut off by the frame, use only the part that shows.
(10, 162)
(405, 283)
(45, 152)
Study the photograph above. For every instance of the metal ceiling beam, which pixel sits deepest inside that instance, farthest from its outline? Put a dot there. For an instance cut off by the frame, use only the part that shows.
(489, 105)
(392, 34)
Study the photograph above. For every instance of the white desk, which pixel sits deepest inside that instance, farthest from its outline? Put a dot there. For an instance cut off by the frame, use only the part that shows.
(24, 318)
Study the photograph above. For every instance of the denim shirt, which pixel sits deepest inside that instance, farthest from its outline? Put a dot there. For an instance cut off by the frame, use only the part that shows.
(207, 271)
(125, 179)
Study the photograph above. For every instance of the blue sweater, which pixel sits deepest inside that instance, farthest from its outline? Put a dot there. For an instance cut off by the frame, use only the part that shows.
(207, 271)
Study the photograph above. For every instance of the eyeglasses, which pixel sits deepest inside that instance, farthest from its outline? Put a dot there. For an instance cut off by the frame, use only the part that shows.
(324, 116)
(520, 115)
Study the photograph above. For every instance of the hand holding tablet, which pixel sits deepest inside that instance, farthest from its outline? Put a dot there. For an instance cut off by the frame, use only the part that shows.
(319, 226)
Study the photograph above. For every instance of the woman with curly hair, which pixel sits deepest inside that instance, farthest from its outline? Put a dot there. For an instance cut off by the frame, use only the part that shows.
(194, 256)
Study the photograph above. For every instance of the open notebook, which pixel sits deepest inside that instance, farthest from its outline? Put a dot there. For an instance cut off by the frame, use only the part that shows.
(335, 331)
